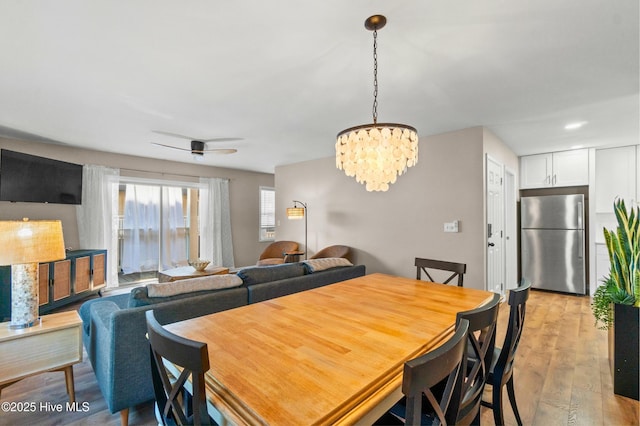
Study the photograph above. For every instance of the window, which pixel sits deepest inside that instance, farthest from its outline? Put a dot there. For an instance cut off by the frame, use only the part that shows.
(267, 214)
(158, 227)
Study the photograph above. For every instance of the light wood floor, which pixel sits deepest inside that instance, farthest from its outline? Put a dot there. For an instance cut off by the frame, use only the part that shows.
(561, 376)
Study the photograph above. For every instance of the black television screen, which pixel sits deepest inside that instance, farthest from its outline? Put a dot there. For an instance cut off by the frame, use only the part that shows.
(29, 178)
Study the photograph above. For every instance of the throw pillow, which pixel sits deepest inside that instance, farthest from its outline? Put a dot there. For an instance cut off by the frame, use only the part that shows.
(211, 282)
(315, 265)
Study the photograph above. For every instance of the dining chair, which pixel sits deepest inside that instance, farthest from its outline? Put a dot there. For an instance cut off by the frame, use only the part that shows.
(445, 364)
(481, 341)
(423, 265)
(501, 372)
(176, 405)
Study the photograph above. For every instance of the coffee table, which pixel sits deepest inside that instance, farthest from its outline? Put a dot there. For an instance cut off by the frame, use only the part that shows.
(185, 272)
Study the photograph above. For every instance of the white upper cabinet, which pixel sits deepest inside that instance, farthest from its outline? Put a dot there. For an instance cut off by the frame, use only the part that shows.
(571, 168)
(564, 168)
(535, 171)
(615, 177)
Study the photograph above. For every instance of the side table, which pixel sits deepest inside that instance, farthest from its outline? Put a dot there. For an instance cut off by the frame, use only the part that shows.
(293, 256)
(53, 345)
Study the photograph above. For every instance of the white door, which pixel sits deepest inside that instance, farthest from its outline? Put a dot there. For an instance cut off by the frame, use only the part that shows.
(495, 226)
(510, 230)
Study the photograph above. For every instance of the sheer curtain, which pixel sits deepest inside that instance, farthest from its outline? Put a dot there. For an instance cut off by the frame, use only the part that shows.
(174, 233)
(141, 228)
(97, 222)
(216, 243)
(154, 228)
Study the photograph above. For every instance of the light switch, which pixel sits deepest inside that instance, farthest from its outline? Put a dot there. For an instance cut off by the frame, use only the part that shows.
(451, 226)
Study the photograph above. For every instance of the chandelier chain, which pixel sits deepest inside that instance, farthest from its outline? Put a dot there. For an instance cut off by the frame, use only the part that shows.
(375, 76)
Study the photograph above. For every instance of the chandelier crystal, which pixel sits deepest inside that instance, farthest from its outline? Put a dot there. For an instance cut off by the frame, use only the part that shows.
(376, 154)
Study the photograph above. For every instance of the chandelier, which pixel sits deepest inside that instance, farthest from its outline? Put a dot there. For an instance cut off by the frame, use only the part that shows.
(376, 154)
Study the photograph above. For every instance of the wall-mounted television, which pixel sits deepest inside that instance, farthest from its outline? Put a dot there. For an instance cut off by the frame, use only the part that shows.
(28, 178)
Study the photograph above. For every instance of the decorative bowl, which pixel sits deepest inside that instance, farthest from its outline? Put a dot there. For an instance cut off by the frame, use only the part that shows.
(199, 264)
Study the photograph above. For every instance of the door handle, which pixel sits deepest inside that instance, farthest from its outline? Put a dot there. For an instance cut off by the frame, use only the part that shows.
(491, 244)
(580, 215)
(580, 246)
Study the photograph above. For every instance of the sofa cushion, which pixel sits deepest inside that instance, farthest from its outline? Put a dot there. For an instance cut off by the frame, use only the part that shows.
(211, 282)
(182, 289)
(263, 274)
(315, 265)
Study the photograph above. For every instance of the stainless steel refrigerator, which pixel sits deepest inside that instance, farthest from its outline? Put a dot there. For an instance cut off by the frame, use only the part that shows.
(553, 242)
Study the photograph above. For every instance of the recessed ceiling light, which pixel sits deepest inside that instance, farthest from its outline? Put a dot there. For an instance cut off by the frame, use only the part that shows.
(576, 125)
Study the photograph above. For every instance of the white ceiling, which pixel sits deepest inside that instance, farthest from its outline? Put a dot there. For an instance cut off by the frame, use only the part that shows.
(288, 75)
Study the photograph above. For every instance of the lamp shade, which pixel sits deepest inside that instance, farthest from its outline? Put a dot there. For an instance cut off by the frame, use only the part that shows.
(25, 241)
(295, 213)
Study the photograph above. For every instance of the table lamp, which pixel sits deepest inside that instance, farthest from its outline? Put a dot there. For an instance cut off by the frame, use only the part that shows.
(24, 244)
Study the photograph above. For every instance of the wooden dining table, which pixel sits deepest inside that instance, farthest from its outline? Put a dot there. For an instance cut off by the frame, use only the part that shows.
(330, 355)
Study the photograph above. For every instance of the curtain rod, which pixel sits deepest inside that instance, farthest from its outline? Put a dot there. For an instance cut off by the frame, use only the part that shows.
(170, 174)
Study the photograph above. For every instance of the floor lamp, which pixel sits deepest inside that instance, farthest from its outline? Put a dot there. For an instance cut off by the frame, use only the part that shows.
(297, 213)
(25, 244)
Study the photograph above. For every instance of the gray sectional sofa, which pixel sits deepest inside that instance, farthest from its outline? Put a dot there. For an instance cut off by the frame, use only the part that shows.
(114, 327)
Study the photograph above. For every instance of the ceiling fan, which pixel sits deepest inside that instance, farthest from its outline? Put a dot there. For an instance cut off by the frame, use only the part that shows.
(198, 146)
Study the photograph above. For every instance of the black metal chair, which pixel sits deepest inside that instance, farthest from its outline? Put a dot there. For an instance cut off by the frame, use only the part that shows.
(423, 265)
(480, 352)
(501, 372)
(175, 404)
(445, 364)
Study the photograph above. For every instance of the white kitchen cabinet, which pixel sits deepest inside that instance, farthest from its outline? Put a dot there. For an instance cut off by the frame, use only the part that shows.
(563, 168)
(615, 176)
(535, 170)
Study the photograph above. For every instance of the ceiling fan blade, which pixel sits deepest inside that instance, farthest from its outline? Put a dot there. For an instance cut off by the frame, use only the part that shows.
(170, 146)
(175, 135)
(221, 139)
(220, 151)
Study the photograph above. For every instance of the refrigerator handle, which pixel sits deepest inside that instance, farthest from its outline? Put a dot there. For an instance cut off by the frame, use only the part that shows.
(580, 245)
(580, 215)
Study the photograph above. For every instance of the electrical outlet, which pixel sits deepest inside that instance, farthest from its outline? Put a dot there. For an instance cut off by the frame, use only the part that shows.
(451, 226)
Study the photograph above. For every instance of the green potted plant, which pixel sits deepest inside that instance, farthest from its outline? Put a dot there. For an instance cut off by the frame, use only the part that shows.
(616, 303)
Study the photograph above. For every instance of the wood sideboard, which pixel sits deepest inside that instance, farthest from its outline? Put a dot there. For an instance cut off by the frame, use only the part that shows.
(80, 274)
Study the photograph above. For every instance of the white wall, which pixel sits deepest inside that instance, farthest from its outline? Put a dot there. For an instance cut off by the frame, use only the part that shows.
(243, 190)
(389, 229)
